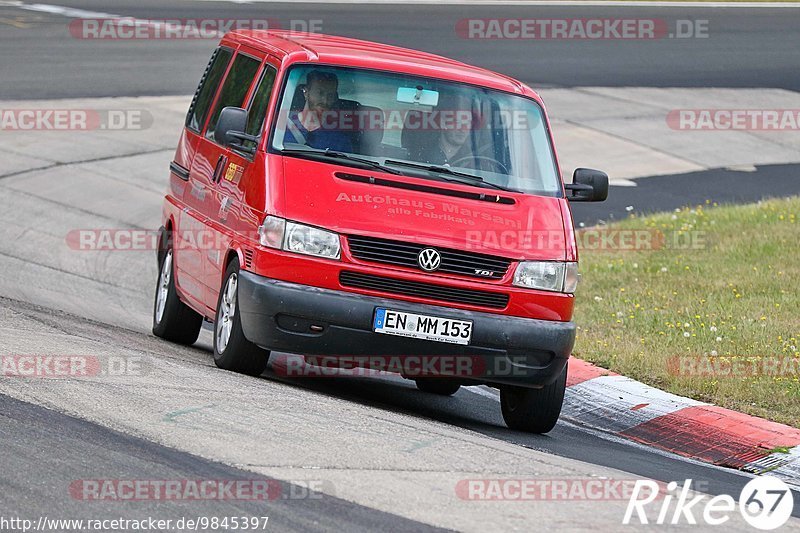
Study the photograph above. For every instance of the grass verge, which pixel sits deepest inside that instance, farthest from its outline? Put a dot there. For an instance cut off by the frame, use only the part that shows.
(709, 310)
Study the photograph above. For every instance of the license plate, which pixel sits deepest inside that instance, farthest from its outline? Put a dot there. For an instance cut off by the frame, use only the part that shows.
(431, 328)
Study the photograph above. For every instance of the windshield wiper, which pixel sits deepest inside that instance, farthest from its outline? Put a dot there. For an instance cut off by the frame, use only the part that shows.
(473, 180)
(341, 155)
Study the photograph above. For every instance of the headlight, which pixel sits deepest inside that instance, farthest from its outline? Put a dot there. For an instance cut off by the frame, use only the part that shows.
(547, 276)
(304, 239)
(276, 232)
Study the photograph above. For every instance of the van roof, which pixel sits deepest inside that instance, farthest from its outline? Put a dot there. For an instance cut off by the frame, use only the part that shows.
(297, 47)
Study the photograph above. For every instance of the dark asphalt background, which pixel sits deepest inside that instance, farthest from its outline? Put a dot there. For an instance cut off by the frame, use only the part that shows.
(45, 451)
(744, 47)
(665, 193)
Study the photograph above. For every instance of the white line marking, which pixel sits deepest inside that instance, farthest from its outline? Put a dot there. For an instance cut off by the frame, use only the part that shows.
(66, 11)
(80, 13)
(622, 182)
(570, 3)
(164, 25)
(481, 391)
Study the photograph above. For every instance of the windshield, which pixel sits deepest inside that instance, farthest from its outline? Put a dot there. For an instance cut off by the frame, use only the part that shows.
(396, 119)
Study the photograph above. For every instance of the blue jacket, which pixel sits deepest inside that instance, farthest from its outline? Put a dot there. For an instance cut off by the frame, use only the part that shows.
(320, 138)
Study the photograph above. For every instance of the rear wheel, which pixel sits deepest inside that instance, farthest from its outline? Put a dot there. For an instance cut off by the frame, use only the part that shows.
(173, 320)
(232, 351)
(440, 386)
(533, 410)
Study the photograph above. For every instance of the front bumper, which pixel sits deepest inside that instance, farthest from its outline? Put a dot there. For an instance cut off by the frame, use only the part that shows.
(279, 315)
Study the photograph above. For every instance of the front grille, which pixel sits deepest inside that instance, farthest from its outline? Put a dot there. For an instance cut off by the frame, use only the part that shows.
(423, 290)
(405, 254)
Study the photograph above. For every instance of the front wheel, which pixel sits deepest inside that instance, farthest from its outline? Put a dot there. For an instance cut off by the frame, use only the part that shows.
(533, 410)
(232, 351)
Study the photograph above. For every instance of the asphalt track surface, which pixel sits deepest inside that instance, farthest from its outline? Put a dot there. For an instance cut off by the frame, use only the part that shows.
(665, 193)
(743, 47)
(47, 450)
(44, 449)
(57, 458)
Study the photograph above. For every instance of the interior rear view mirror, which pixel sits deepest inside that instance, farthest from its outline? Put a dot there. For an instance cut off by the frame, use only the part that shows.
(417, 95)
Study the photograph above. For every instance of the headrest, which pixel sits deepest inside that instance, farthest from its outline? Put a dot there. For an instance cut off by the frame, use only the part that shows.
(299, 99)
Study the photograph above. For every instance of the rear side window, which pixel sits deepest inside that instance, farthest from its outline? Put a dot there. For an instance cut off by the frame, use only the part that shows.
(235, 88)
(258, 108)
(207, 88)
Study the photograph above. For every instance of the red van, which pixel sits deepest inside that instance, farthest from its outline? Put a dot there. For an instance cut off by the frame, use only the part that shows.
(347, 200)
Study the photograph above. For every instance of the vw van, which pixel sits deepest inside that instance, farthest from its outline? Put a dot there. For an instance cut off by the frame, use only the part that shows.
(375, 207)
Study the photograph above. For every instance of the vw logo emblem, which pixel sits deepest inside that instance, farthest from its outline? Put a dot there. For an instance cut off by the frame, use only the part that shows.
(429, 260)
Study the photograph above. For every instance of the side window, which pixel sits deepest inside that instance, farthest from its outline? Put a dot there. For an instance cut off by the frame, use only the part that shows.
(258, 108)
(235, 88)
(207, 89)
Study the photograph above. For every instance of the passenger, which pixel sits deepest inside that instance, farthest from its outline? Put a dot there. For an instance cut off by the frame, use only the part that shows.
(315, 126)
(455, 127)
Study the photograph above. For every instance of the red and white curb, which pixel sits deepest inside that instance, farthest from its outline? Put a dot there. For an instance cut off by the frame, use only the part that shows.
(611, 403)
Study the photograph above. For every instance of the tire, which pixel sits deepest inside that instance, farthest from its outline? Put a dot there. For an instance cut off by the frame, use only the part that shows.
(440, 386)
(232, 351)
(533, 410)
(173, 320)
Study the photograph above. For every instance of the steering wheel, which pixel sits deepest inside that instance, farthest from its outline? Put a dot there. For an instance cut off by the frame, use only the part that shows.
(481, 158)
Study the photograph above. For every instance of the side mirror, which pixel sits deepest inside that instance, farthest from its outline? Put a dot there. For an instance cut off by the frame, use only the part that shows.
(231, 126)
(587, 185)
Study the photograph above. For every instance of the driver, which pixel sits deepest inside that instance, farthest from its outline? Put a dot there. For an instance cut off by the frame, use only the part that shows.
(312, 126)
(455, 141)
